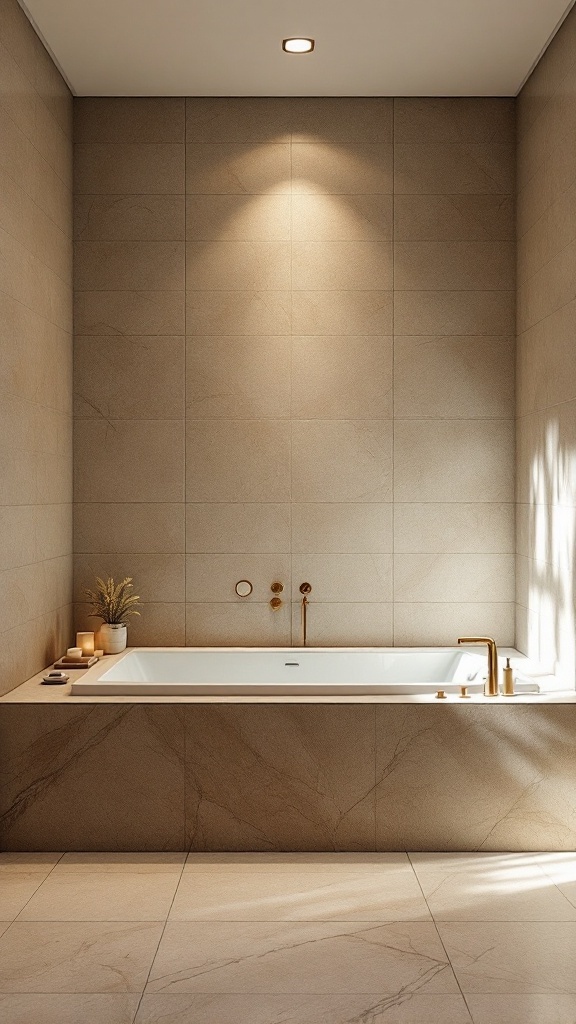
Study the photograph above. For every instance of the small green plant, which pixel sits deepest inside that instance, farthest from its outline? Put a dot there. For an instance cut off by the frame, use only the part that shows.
(112, 603)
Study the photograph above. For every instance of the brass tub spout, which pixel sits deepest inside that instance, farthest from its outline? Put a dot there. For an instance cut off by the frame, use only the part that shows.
(305, 589)
(491, 683)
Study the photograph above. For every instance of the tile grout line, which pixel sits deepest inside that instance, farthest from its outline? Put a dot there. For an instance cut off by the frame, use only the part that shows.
(184, 862)
(22, 909)
(408, 854)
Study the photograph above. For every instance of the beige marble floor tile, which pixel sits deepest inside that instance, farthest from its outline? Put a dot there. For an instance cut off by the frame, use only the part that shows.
(512, 958)
(308, 958)
(57, 1008)
(295, 896)
(141, 863)
(353, 863)
(489, 887)
(16, 888)
(77, 957)
(102, 896)
(362, 1008)
(524, 1009)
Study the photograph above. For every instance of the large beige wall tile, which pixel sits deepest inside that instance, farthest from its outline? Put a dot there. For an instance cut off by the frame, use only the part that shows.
(237, 625)
(343, 578)
(238, 377)
(345, 625)
(134, 378)
(440, 624)
(453, 119)
(430, 265)
(453, 378)
(129, 266)
(454, 217)
(128, 168)
(160, 625)
(231, 169)
(548, 289)
(342, 312)
(243, 266)
(238, 460)
(454, 312)
(451, 528)
(459, 168)
(238, 527)
(129, 218)
(158, 579)
(246, 218)
(341, 266)
(235, 119)
(237, 312)
(337, 528)
(449, 577)
(129, 460)
(129, 313)
(347, 218)
(546, 362)
(327, 169)
(131, 119)
(212, 577)
(342, 460)
(342, 119)
(131, 527)
(457, 460)
(342, 378)
(551, 233)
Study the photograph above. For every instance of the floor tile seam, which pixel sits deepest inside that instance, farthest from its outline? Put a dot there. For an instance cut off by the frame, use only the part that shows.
(153, 960)
(31, 897)
(447, 955)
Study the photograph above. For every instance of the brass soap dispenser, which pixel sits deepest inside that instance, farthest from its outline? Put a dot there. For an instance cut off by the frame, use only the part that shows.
(508, 680)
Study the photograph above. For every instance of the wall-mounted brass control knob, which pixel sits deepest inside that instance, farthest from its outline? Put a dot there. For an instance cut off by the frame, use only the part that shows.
(276, 603)
(305, 588)
(277, 588)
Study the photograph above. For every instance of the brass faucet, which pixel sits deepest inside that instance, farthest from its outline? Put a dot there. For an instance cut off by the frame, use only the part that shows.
(305, 589)
(491, 682)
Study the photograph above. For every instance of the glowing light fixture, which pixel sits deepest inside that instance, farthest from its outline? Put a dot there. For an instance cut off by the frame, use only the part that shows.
(298, 45)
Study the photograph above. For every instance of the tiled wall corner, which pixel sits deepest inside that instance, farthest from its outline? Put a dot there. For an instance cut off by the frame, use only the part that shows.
(35, 353)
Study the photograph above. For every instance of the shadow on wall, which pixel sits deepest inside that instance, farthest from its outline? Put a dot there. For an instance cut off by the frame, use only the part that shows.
(547, 542)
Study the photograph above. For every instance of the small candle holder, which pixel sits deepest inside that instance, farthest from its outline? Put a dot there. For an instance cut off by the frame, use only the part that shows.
(86, 643)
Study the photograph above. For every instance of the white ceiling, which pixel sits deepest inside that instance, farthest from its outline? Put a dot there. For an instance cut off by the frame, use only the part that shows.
(233, 47)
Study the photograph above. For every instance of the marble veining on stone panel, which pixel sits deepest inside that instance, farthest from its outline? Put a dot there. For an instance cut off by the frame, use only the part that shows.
(306, 957)
(475, 778)
(92, 777)
(280, 777)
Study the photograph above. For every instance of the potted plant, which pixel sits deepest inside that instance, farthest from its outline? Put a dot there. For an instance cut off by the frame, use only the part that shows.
(113, 604)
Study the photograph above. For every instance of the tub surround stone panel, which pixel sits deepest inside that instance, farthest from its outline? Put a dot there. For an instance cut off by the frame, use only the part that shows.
(35, 353)
(546, 368)
(287, 310)
(206, 777)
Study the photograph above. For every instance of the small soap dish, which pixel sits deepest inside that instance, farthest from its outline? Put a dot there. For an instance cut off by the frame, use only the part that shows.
(55, 679)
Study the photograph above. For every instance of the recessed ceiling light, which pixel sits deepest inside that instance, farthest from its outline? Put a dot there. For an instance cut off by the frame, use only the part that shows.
(298, 45)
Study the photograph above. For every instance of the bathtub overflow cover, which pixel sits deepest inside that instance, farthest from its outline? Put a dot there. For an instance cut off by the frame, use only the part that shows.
(290, 664)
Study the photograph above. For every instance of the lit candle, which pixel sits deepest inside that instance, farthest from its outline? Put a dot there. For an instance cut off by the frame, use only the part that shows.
(86, 642)
(74, 652)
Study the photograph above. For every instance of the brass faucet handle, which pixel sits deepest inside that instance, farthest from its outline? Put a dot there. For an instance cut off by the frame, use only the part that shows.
(305, 588)
(276, 603)
(277, 587)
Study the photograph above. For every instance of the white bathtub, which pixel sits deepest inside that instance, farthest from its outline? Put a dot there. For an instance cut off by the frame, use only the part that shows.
(292, 671)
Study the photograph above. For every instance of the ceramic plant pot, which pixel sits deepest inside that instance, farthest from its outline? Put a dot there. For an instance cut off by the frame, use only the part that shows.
(113, 637)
